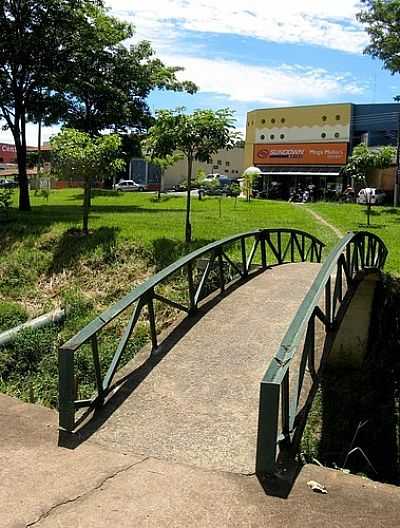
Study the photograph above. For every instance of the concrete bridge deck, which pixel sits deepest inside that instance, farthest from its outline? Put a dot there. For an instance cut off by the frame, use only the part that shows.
(171, 447)
(199, 404)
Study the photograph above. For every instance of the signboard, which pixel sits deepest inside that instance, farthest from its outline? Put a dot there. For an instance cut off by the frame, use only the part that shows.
(301, 154)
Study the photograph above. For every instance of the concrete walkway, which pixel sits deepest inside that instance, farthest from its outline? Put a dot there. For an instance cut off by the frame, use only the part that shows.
(45, 486)
(175, 447)
(199, 404)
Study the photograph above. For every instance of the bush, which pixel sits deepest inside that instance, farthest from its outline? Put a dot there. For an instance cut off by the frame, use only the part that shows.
(11, 314)
(5, 199)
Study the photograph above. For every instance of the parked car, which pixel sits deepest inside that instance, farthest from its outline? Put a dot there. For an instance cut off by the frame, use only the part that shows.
(217, 187)
(371, 195)
(128, 186)
(8, 184)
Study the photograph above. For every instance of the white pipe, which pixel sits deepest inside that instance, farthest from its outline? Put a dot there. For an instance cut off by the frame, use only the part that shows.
(39, 322)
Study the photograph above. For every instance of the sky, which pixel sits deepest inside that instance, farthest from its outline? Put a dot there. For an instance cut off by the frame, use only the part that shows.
(257, 53)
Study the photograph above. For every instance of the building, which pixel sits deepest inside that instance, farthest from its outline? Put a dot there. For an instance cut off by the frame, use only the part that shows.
(225, 162)
(311, 144)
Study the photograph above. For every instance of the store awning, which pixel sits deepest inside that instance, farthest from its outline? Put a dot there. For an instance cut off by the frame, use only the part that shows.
(300, 171)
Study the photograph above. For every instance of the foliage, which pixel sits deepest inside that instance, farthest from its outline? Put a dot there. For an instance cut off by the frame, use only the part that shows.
(196, 136)
(11, 314)
(362, 160)
(5, 198)
(67, 61)
(88, 158)
(382, 22)
(248, 182)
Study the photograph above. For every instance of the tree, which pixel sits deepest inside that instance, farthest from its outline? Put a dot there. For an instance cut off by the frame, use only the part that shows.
(65, 61)
(32, 34)
(88, 158)
(381, 19)
(196, 136)
(362, 160)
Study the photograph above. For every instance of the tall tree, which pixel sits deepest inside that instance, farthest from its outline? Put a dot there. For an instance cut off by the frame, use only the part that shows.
(197, 136)
(64, 60)
(381, 19)
(33, 47)
(88, 159)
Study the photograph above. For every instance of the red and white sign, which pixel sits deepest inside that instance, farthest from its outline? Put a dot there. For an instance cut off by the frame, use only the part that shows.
(8, 153)
(301, 154)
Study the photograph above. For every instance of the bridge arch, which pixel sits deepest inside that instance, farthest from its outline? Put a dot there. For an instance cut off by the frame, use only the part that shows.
(212, 268)
(343, 287)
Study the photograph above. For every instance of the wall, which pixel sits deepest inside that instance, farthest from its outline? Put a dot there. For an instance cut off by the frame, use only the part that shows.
(301, 124)
(227, 162)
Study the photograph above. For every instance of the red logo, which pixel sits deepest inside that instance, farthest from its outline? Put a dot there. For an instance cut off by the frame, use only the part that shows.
(263, 154)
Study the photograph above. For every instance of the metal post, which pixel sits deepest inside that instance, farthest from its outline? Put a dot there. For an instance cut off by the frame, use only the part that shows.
(396, 185)
(66, 390)
(268, 418)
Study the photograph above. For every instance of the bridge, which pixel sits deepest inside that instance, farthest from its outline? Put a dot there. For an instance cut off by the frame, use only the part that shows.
(229, 386)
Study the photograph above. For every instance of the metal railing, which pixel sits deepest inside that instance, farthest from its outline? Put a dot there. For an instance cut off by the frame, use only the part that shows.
(221, 268)
(281, 412)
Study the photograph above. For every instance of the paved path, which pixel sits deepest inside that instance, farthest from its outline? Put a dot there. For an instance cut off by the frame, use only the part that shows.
(199, 404)
(178, 451)
(45, 486)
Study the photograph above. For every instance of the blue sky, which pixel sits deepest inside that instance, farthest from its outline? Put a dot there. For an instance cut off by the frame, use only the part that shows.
(259, 53)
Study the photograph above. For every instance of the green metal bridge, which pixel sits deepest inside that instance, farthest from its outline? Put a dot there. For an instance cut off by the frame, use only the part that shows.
(230, 385)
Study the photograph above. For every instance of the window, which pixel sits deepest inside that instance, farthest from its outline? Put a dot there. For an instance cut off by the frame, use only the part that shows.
(262, 136)
(226, 170)
(282, 136)
(337, 134)
(273, 120)
(324, 118)
(323, 135)
(219, 162)
(227, 163)
(337, 117)
(248, 123)
(215, 166)
(263, 121)
(272, 136)
(283, 120)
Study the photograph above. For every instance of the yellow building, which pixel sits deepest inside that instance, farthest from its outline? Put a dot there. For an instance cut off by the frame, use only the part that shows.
(226, 162)
(308, 142)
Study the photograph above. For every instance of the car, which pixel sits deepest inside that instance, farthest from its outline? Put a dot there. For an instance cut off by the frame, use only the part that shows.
(128, 186)
(371, 195)
(8, 184)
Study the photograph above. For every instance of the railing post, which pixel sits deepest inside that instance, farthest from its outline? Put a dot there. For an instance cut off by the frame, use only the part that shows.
(244, 257)
(192, 302)
(221, 270)
(263, 250)
(267, 435)
(66, 390)
(97, 369)
(152, 321)
(285, 403)
(328, 301)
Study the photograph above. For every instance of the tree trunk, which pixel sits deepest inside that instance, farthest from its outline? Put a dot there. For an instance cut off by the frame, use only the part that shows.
(24, 201)
(86, 206)
(188, 229)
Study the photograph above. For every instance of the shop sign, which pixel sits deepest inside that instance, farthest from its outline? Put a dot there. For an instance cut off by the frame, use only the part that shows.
(301, 154)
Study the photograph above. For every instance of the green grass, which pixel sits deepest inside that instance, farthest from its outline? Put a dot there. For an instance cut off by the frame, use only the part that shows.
(385, 222)
(45, 262)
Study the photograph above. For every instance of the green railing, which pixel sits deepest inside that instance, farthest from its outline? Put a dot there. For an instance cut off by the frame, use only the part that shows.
(210, 268)
(281, 412)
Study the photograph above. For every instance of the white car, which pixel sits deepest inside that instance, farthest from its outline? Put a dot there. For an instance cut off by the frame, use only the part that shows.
(371, 195)
(128, 185)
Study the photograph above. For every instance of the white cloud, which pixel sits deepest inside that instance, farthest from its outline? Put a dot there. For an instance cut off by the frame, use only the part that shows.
(31, 134)
(322, 23)
(273, 86)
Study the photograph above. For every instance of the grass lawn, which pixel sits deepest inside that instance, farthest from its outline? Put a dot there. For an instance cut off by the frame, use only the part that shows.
(385, 222)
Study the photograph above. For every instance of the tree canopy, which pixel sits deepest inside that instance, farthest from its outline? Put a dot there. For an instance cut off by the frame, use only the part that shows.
(66, 61)
(196, 136)
(381, 19)
(363, 159)
(87, 158)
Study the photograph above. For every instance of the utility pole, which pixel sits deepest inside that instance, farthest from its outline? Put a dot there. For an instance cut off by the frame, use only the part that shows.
(396, 181)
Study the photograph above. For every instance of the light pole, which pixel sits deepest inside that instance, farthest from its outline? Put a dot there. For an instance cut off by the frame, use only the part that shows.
(397, 177)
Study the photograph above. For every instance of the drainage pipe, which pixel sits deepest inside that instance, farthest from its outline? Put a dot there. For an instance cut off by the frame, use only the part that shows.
(39, 322)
